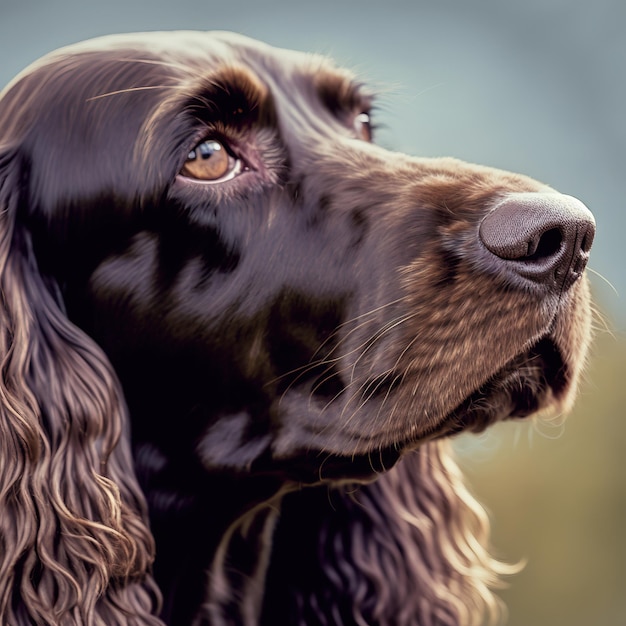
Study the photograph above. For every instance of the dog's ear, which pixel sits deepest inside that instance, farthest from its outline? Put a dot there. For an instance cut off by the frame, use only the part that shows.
(74, 543)
(408, 548)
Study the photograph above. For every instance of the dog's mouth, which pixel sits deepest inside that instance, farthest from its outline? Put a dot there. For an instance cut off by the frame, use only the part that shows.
(530, 383)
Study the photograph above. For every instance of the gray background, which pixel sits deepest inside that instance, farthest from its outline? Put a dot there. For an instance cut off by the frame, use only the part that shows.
(537, 87)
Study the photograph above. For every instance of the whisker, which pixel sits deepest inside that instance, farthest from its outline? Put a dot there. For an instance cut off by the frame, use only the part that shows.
(400, 377)
(380, 458)
(171, 64)
(129, 90)
(378, 335)
(387, 395)
(604, 279)
(603, 324)
(320, 381)
(362, 316)
(370, 393)
(364, 347)
(304, 369)
(359, 390)
(333, 399)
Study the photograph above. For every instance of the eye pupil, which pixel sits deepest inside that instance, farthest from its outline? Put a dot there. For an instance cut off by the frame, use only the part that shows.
(208, 148)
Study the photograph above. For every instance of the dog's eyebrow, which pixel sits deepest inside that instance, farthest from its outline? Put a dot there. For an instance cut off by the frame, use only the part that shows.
(233, 96)
(340, 91)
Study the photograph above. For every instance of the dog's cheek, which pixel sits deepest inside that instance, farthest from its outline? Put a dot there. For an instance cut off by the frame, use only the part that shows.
(230, 444)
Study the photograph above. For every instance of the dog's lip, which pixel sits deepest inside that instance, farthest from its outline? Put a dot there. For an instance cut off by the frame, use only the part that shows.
(530, 383)
(527, 384)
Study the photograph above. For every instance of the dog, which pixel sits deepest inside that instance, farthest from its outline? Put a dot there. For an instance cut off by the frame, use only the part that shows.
(237, 337)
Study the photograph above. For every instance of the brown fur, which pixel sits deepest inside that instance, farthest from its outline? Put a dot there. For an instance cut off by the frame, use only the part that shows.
(228, 402)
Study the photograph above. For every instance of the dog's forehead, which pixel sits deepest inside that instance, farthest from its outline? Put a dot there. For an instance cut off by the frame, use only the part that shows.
(189, 50)
(153, 63)
(281, 69)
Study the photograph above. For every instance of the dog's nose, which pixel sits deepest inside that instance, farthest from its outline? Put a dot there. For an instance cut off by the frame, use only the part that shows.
(542, 237)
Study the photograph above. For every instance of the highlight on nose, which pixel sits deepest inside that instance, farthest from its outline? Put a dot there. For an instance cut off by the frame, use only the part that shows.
(541, 237)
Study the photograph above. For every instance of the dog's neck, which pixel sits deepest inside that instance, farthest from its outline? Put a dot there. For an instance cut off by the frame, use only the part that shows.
(240, 563)
(212, 551)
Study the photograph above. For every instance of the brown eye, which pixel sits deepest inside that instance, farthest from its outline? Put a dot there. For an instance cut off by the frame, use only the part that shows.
(210, 161)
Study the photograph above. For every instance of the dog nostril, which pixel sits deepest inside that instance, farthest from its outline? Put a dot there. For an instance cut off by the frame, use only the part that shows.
(541, 237)
(545, 245)
(588, 239)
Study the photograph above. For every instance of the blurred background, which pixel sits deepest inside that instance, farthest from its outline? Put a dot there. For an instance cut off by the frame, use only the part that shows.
(537, 87)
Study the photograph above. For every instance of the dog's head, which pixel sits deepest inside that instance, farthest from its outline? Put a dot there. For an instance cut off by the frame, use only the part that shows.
(268, 283)
(200, 243)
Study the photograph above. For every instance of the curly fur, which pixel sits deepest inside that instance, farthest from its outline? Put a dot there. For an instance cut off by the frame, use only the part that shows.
(226, 401)
(74, 539)
(409, 548)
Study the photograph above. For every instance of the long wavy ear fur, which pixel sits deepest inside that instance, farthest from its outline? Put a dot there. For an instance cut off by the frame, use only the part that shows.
(74, 544)
(407, 549)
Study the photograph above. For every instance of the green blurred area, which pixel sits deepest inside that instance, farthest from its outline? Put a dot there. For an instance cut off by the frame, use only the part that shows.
(557, 498)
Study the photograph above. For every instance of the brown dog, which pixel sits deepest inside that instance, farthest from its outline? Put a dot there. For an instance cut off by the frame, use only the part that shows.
(221, 300)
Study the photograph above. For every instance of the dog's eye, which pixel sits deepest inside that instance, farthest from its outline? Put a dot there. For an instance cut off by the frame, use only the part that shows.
(210, 161)
(363, 126)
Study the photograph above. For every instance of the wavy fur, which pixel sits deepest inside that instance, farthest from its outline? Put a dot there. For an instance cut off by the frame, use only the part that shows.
(410, 548)
(73, 534)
